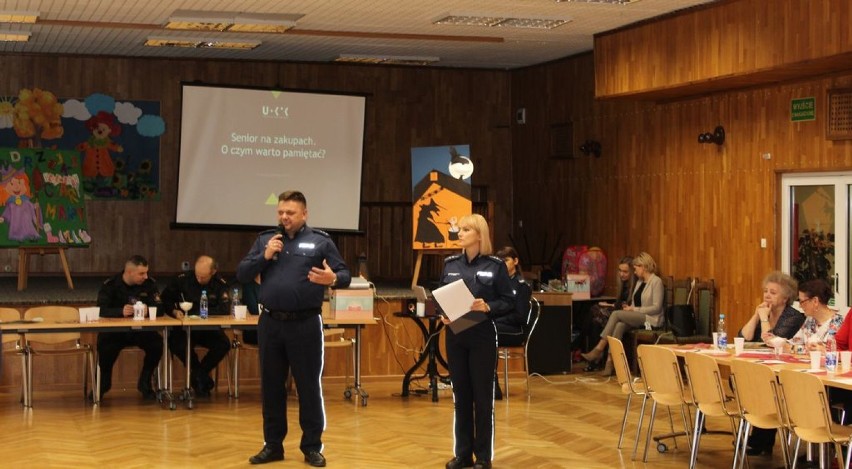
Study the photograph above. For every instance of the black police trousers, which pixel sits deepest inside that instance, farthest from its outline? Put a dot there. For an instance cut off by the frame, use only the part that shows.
(472, 357)
(110, 345)
(296, 345)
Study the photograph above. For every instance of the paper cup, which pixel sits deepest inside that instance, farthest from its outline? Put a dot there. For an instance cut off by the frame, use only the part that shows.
(739, 345)
(152, 313)
(715, 340)
(90, 314)
(815, 357)
(240, 312)
(421, 310)
(845, 360)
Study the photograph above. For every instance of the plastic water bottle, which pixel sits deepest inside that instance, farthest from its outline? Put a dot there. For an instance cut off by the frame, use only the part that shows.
(831, 352)
(235, 301)
(723, 333)
(202, 305)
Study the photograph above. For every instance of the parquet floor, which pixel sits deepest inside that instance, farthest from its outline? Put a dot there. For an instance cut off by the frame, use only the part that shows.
(572, 422)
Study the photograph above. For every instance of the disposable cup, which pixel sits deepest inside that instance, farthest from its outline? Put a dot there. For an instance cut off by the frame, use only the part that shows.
(815, 357)
(715, 340)
(845, 360)
(152, 313)
(739, 345)
(421, 310)
(240, 312)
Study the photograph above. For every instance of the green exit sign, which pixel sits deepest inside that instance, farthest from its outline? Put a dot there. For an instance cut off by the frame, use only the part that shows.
(803, 109)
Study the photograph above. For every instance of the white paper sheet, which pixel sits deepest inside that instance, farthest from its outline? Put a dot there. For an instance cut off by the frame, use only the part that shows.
(455, 299)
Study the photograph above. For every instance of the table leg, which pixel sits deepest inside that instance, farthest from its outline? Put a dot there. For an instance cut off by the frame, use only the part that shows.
(406, 380)
(164, 376)
(359, 391)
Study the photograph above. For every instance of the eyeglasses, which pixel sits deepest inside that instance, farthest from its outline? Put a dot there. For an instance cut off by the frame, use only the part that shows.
(801, 301)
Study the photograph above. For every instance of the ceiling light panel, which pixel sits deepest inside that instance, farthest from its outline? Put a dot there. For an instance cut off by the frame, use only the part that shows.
(8, 16)
(14, 36)
(195, 20)
(532, 23)
(469, 20)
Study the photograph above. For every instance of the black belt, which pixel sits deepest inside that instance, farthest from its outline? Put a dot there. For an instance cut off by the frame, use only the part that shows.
(292, 315)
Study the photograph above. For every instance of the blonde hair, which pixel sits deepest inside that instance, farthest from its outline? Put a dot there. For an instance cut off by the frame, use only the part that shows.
(477, 223)
(789, 285)
(645, 260)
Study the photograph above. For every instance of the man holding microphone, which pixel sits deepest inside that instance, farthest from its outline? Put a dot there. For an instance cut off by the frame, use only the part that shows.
(296, 264)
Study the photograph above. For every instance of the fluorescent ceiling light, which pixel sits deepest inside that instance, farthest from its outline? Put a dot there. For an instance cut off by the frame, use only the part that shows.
(155, 41)
(492, 21)
(10, 16)
(196, 20)
(387, 59)
(14, 36)
(615, 2)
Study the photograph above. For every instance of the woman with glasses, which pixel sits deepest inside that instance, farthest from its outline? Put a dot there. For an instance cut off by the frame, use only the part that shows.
(774, 317)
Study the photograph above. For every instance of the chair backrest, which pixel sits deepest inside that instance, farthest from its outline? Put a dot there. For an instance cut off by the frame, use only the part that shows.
(621, 365)
(532, 317)
(53, 313)
(705, 382)
(661, 374)
(755, 385)
(704, 297)
(6, 315)
(680, 291)
(806, 403)
(668, 289)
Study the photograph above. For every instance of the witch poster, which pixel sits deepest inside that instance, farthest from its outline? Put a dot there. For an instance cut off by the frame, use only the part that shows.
(440, 195)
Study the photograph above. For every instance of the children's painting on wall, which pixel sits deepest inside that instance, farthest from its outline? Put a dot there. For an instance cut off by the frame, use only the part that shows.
(440, 190)
(118, 141)
(41, 199)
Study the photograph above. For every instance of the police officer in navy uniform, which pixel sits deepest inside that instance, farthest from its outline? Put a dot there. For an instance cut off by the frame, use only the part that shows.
(296, 264)
(116, 298)
(511, 328)
(188, 287)
(472, 353)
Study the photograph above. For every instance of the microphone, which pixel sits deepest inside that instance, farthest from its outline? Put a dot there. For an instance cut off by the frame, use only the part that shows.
(279, 231)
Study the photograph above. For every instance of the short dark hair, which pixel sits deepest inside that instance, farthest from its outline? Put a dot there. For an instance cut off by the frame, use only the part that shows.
(817, 288)
(137, 260)
(507, 251)
(293, 196)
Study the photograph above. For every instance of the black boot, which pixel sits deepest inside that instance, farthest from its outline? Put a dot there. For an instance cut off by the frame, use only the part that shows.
(144, 384)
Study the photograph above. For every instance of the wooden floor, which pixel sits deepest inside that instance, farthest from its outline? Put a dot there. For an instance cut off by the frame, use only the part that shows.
(571, 422)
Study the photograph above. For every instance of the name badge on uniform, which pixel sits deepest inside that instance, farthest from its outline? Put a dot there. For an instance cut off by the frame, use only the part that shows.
(453, 274)
(306, 245)
(484, 274)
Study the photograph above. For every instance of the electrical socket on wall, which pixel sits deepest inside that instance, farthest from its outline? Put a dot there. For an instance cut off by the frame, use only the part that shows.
(184, 266)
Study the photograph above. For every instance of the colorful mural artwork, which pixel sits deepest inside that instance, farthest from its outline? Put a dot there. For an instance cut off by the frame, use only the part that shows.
(441, 192)
(119, 142)
(41, 198)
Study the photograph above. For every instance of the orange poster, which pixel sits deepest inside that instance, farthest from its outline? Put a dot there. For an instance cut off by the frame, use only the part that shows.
(440, 190)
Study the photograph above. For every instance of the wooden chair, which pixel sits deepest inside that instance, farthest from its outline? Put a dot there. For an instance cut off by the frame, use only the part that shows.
(808, 414)
(663, 383)
(8, 315)
(708, 397)
(629, 385)
(754, 384)
(34, 344)
(506, 353)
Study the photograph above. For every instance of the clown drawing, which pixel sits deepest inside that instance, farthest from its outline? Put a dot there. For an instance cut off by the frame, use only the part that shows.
(97, 161)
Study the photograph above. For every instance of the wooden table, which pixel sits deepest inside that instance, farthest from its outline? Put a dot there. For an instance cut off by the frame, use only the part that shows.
(164, 394)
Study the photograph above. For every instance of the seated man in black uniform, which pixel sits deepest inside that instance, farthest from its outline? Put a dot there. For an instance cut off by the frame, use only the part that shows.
(188, 287)
(116, 298)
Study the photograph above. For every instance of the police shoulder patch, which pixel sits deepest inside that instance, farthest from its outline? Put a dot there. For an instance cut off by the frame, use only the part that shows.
(452, 258)
(321, 232)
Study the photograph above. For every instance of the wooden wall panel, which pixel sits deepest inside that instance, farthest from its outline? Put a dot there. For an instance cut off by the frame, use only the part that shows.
(724, 45)
(699, 209)
(406, 107)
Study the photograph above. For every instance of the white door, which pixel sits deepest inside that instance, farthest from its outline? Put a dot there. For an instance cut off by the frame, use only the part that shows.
(815, 224)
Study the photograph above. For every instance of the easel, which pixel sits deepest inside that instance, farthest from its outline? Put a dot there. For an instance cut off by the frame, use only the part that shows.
(419, 261)
(24, 254)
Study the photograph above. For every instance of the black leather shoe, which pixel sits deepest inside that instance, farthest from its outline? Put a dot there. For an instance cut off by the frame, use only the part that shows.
(759, 450)
(266, 455)
(315, 459)
(459, 463)
(482, 464)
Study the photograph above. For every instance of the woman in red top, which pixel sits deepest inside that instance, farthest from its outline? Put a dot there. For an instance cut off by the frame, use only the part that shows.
(844, 335)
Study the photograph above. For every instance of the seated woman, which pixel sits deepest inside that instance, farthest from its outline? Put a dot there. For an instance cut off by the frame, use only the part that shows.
(647, 308)
(774, 316)
(599, 313)
(821, 320)
(511, 328)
